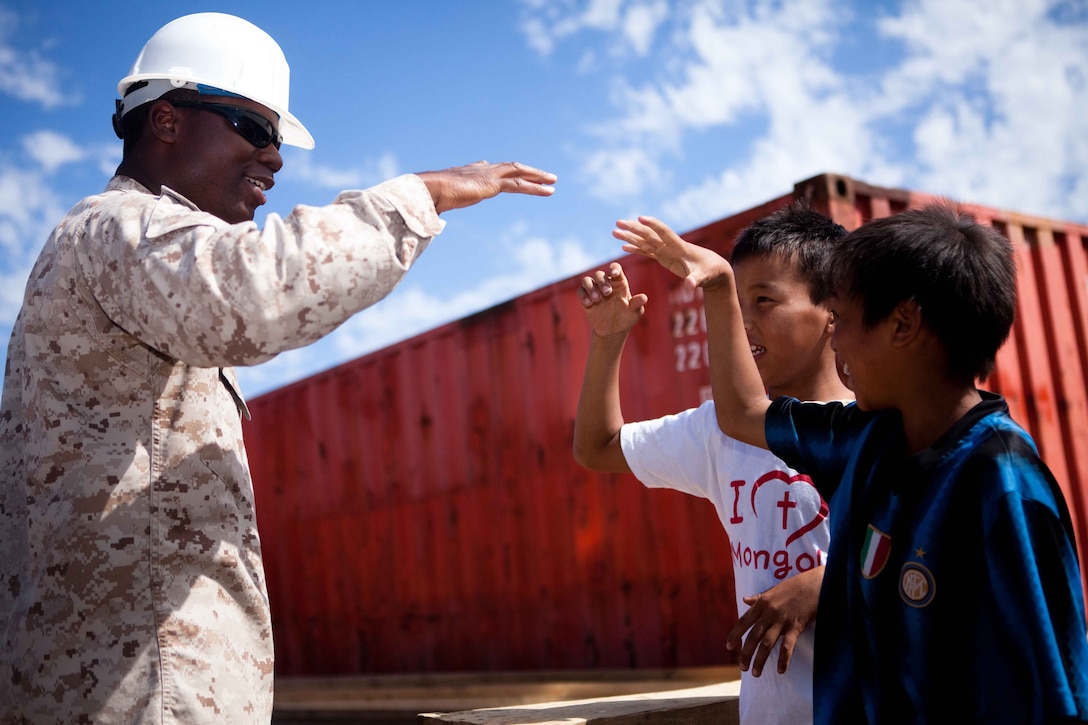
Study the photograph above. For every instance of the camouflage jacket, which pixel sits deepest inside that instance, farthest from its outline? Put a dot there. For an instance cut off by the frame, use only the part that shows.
(131, 584)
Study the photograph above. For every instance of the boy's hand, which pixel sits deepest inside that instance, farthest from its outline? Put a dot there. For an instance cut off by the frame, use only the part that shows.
(608, 303)
(783, 611)
(698, 266)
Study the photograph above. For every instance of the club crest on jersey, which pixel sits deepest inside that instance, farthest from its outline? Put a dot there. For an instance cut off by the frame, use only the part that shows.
(874, 552)
(916, 584)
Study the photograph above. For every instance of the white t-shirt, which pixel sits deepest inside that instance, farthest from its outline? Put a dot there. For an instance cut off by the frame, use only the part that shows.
(777, 526)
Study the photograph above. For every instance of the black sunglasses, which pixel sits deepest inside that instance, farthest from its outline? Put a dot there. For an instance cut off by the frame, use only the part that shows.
(250, 125)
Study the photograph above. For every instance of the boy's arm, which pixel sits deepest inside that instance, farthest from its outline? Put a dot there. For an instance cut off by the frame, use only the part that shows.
(612, 312)
(739, 396)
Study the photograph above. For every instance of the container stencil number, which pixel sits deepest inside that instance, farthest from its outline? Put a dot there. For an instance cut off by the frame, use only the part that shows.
(691, 356)
(688, 322)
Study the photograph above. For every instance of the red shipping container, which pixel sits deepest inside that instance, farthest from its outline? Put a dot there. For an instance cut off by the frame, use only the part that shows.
(421, 510)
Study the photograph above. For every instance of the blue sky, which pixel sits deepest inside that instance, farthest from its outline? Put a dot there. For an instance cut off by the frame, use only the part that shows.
(689, 110)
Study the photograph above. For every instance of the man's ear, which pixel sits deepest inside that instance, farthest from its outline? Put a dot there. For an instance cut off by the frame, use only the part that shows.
(907, 322)
(162, 120)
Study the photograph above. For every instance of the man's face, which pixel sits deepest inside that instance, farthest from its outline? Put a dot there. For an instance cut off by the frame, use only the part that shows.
(223, 173)
(789, 335)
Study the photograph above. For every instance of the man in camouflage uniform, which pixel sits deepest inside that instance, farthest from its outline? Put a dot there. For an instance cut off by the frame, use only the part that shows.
(131, 584)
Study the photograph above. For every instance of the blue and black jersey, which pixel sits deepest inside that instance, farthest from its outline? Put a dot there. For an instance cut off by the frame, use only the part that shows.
(952, 588)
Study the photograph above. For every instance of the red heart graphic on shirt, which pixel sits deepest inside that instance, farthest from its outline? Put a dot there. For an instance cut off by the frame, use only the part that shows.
(790, 480)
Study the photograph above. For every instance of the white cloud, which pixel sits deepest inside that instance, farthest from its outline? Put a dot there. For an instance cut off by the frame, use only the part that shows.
(538, 36)
(108, 158)
(547, 24)
(626, 172)
(31, 206)
(730, 67)
(828, 136)
(24, 74)
(774, 57)
(52, 150)
(1002, 103)
(29, 209)
(640, 22)
(654, 121)
(950, 47)
(954, 40)
(599, 14)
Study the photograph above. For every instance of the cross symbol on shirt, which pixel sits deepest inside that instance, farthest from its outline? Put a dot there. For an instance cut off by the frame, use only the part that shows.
(786, 504)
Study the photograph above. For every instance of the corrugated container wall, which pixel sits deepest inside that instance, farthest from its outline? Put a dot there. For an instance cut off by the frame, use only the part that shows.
(420, 510)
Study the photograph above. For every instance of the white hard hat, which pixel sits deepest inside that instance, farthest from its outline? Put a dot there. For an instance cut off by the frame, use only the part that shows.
(215, 54)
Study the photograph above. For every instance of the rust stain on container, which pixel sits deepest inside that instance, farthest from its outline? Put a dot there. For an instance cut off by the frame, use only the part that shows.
(421, 511)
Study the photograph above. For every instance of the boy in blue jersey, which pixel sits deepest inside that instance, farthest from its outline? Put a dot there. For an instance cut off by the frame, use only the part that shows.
(952, 591)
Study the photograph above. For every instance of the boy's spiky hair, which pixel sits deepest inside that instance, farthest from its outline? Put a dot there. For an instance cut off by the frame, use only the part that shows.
(961, 273)
(795, 232)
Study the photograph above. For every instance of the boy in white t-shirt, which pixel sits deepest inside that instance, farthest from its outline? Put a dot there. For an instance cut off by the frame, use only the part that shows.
(776, 521)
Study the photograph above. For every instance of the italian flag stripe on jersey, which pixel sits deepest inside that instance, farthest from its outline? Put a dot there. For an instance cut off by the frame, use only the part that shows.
(875, 551)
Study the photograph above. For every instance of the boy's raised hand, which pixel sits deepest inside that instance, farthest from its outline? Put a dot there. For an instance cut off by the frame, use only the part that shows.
(609, 305)
(650, 237)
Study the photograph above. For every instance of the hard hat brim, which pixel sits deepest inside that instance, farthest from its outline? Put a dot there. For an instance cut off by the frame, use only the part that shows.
(294, 133)
(292, 130)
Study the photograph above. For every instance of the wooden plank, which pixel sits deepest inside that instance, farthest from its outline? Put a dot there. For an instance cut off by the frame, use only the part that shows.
(707, 705)
(401, 698)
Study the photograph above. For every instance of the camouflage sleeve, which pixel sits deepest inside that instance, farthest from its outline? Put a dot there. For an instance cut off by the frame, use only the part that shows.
(213, 294)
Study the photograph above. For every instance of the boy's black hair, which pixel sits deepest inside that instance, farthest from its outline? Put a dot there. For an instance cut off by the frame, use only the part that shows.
(961, 273)
(796, 232)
